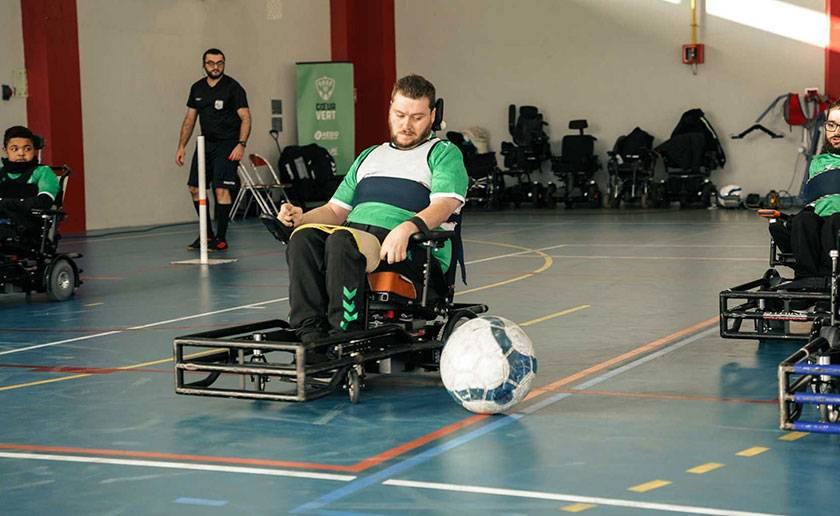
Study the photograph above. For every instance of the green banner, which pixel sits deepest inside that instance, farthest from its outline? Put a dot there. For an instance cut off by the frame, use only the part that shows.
(325, 110)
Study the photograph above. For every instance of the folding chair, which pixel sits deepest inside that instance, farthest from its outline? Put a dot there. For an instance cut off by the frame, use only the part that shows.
(251, 185)
(267, 178)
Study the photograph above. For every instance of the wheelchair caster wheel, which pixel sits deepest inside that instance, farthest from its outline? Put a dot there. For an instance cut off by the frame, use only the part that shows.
(61, 280)
(354, 385)
(259, 379)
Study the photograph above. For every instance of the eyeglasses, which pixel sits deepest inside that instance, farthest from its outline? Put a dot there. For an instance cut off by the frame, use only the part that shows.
(831, 126)
(214, 64)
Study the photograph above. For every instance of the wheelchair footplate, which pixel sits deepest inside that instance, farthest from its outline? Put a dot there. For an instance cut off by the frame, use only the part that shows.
(267, 361)
(778, 308)
(809, 385)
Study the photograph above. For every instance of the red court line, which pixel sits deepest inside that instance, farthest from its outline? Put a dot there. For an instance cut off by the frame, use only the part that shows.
(393, 452)
(85, 370)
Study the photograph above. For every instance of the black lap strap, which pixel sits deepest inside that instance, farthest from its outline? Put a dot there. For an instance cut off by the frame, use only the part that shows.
(825, 183)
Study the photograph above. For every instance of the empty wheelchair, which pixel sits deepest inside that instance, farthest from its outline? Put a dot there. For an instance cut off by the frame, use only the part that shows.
(525, 155)
(29, 258)
(575, 168)
(690, 156)
(487, 186)
(631, 168)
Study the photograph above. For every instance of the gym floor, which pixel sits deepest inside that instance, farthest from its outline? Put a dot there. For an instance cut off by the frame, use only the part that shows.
(639, 406)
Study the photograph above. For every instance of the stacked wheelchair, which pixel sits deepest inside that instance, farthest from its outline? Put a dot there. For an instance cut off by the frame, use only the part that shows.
(777, 308)
(31, 262)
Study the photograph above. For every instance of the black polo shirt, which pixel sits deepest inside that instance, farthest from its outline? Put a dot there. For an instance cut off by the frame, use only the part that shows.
(217, 107)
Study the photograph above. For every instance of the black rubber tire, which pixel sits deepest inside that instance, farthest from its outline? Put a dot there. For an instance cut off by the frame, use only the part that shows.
(354, 385)
(61, 280)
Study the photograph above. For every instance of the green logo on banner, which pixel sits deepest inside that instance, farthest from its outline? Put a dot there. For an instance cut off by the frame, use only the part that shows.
(326, 111)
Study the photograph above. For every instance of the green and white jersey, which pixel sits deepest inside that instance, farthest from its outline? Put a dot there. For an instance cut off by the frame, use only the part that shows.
(386, 185)
(826, 205)
(42, 180)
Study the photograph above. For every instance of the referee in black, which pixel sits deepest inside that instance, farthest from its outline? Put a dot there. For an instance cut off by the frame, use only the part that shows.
(221, 105)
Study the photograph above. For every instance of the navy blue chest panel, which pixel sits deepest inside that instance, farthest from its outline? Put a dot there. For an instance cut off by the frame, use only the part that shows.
(825, 183)
(402, 193)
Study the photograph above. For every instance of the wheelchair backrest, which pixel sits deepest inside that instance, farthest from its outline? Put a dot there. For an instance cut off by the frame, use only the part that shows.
(636, 143)
(528, 130)
(63, 173)
(695, 121)
(577, 148)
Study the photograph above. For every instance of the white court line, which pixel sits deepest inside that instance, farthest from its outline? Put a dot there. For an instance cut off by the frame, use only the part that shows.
(615, 502)
(143, 327)
(179, 465)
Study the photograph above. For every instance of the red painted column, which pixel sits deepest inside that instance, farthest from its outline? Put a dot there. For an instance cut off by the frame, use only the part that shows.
(832, 51)
(362, 32)
(54, 105)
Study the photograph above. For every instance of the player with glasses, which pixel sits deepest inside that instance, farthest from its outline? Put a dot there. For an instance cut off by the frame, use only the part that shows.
(814, 230)
(221, 106)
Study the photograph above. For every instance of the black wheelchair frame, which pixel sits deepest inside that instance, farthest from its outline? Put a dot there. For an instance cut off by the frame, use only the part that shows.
(28, 265)
(631, 173)
(810, 376)
(399, 335)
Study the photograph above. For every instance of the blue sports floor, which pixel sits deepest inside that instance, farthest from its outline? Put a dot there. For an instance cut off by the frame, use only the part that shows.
(639, 406)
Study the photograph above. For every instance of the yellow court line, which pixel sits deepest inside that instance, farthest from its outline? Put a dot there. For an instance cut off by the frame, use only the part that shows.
(649, 486)
(705, 468)
(577, 507)
(752, 452)
(556, 314)
(793, 436)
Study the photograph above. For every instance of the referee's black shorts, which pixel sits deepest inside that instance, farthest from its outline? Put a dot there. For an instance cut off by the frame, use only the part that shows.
(221, 171)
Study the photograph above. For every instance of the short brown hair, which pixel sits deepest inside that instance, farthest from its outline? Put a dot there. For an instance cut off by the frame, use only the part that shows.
(415, 87)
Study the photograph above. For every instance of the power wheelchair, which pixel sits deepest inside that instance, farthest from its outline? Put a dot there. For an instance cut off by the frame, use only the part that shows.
(403, 332)
(630, 168)
(525, 155)
(576, 167)
(30, 260)
(405, 327)
(690, 156)
(793, 310)
(486, 187)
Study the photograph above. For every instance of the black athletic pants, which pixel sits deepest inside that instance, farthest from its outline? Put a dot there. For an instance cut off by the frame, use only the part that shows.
(327, 280)
(811, 239)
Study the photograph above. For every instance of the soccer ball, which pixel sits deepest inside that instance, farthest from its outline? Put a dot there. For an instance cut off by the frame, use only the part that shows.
(488, 364)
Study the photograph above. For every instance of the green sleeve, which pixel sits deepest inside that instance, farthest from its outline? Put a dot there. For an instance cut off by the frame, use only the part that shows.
(47, 181)
(345, 191)
(449, 176)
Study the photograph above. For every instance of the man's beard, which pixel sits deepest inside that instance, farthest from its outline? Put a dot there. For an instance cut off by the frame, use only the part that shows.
(414, 143)
(211, 74)
(829, 147)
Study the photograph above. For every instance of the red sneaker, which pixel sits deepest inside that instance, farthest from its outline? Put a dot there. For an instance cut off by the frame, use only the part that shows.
(217, 245)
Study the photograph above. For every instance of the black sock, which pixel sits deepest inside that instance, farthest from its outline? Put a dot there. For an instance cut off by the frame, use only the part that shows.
(209, 225)
(222, 218)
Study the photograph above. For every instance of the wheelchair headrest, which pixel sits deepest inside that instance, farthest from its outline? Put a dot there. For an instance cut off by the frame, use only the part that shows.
(438, 123)
(579, 125)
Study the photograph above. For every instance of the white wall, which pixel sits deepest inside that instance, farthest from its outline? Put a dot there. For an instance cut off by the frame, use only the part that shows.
(12, 111)
(138, 60)
(616, 63)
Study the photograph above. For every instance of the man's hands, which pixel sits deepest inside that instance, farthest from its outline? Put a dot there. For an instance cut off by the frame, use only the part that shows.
(179, 156)
(237, 153)
(395, 245)
(290, 215)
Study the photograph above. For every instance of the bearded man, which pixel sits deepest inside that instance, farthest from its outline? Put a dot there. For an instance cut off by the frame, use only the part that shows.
(221, 106)
(393, 190)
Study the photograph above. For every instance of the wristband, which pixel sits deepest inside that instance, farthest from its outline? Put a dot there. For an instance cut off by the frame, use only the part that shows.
(242, 143)
(417, 221)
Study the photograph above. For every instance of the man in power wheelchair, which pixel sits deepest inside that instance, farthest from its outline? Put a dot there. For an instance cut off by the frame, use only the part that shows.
(371, 285)
(806, 306)
(31, 196)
